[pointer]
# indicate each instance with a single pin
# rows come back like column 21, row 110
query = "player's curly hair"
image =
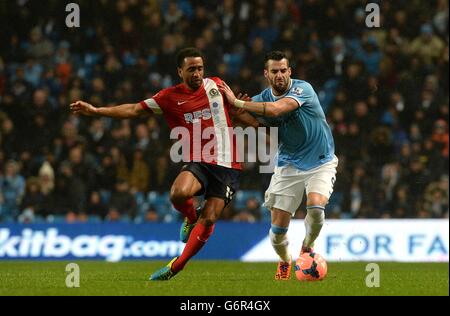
column 188, row 52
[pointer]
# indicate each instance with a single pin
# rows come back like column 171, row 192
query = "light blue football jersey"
column 305, row 140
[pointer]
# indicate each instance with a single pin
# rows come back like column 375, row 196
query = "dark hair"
column 188, row 52
column 275, row 55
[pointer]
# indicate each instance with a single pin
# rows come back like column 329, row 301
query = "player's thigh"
column 285, row 191
column 211, row 211
column 319, row 185
column 280, row 218
column 186, row 185
column 221, row 185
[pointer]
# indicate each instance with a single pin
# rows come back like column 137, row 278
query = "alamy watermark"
column 227, row 145
column 73, row 18
column 73, row 276
column 373, row 278
column 373, row 18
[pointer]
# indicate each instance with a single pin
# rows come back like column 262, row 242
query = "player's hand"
column 226, row 90
column 244, row 97
column 83, row 108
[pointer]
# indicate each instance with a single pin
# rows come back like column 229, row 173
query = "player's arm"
column 123, row 111
column 243, row 118
column 269, row 109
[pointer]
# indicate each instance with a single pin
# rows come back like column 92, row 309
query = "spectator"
column 139, row 174
column 69, row 195
column 440, row 137
column 95, row 205
column 142, row 137
column 106, row 174
column 370, row 55
column 401, row 206
column 122, row 202
column 9, row 138
column 436, row 198
column 39, row 47
column 151, row 216
column 251, row 213
column 427, row 46
column 12, row 190
column 162, row 177
column 33, row 200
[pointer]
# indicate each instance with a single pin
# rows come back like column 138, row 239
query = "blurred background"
column 384, row 90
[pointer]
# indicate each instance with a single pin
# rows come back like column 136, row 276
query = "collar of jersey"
column 282, row 96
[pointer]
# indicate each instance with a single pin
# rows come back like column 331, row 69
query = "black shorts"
column 216, row 181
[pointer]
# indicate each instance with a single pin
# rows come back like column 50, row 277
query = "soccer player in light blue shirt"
column 305, row 157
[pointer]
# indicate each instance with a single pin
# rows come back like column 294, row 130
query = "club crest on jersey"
column 297, row 91
column 214, row 93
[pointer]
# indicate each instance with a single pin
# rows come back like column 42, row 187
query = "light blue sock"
column 280, row 242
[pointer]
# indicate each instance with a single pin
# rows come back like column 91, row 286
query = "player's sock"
column 313, row 224
column 280, row 242
column 199, row 237
column 187, row 209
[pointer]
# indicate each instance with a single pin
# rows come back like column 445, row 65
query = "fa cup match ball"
column 310, row 266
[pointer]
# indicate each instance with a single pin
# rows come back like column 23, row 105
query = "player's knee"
column 316, row 213
column 179, row 194
column 209, row 217
column 209, row 220
column 317, row 199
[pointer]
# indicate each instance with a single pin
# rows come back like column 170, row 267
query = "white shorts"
column 288, row 184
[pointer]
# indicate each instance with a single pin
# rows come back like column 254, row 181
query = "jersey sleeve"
column 301, row 93
column 258, row 98
column 153, row 105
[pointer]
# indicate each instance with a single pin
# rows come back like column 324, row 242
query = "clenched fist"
column 83, row 108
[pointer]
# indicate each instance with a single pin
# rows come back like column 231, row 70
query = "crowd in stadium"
column 384, row 90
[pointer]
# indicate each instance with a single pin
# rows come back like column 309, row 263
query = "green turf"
column 218, row 278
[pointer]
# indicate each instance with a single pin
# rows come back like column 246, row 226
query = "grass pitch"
column 218, row 278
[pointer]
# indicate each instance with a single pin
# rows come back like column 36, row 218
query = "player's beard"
column 280, row 86
column 194, row 84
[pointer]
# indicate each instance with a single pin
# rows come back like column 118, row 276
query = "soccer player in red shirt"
column 196, row 100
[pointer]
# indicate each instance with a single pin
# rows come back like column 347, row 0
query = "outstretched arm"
column 270, row 109
column 123, row 111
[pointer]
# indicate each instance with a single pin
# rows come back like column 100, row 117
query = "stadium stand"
column 385, row 92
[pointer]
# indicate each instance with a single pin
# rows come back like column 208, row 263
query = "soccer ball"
column 310, row 266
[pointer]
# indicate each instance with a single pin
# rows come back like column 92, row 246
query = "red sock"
column 199, row 237
column 188, row 210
